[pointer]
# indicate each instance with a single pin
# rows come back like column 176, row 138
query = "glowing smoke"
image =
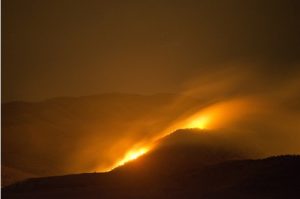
column 254, row 112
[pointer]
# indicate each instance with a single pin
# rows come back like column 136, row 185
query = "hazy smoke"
column 260, row 108
column 253, row 108
column 257, row 111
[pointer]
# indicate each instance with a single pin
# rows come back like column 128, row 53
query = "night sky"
column 56, row 48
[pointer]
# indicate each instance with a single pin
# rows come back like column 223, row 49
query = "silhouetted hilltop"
column 184, row 150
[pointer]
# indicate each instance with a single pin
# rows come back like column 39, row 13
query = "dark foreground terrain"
column 175, row 172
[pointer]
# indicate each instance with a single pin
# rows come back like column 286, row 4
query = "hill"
column 191, row 172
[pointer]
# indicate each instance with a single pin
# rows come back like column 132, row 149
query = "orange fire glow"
column 132, row 155
column 220, row 114
column 212, row 117
column 200, row 122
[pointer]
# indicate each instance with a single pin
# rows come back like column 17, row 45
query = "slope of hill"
column 185, row 150
column 72, row 135
column 212, row 176
column 10, row 175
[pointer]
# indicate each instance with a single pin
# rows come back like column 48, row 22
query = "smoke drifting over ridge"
column 256, row 112
column 262, row 109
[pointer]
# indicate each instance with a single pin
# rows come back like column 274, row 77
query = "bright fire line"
column 132, row 155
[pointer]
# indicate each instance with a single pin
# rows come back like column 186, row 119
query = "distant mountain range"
column 184, row 165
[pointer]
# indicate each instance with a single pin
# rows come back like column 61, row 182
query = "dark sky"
column 56, row 48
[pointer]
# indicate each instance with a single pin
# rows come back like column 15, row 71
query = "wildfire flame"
column 210, row 117
column 132, row 155
column 200, row 122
